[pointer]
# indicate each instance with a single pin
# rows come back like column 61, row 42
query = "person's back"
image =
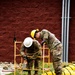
column 49, row 38
column 36, row 47
column 30, row 50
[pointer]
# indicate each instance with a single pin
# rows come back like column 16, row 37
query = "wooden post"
column 48, row 58
column 43, row 55
column 14, row 57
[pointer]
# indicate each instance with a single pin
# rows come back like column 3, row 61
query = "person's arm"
column 37, row 44
column 37, row 47
column 22, row 51
column 45, row 36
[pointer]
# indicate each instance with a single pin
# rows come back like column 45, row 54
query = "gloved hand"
column 42, row 42
column 34, row 56
column 25, row 57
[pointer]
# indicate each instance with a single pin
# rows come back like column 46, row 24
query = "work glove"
column 34, row 56
column 25, row 57
column 42, row 42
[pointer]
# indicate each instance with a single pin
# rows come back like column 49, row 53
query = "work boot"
column 58, row 74
column 35, row 74
column 29, row 74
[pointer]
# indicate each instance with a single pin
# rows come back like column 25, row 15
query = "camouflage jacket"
column 35, row 49
column 49, row 38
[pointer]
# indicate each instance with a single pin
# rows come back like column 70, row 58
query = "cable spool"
column 70, row 67
column 64, row 72
column 49, row 73
column 69, row 70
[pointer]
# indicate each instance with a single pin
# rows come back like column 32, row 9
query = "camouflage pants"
column 30, row 64
column 57, row 56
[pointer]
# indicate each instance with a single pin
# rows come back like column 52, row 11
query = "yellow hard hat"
column 33, row 32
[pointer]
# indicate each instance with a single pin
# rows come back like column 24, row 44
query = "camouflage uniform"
column 56, row 49
column 33, row 51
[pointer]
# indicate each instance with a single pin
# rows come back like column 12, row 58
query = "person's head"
column 28, row 42
column 35, row 33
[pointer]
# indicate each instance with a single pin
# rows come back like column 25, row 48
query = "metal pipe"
column 66, row 37
column 65, row 42
column 63, row 5
column 65, row 28
column 68, row 28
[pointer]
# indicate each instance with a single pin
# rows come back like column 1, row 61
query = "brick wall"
column 72, row 32
column 21, row 16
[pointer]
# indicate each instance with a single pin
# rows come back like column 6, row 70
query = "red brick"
column 21, row 16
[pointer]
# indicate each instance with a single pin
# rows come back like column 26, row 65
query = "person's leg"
column 57, row 63
column 29, row 65
column 36, row 64
column 58, row 68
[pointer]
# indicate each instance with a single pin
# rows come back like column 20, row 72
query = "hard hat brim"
column 30, row 40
